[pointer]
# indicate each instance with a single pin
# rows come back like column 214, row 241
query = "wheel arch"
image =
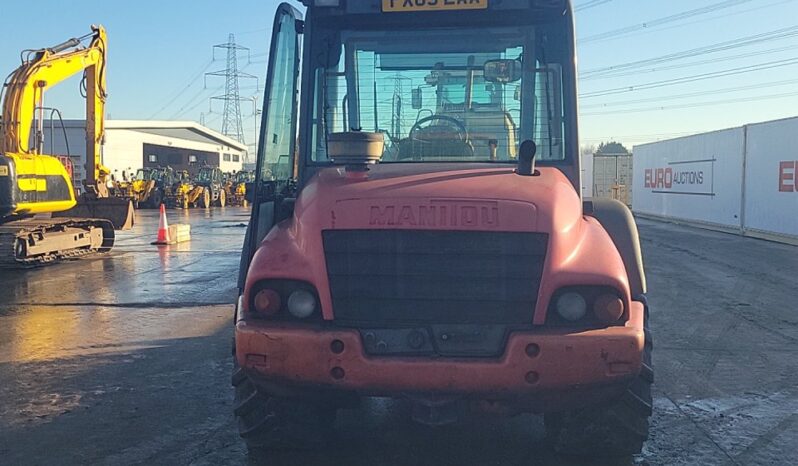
column 618, row 221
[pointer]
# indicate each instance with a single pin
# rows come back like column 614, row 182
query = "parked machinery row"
column 151, row 187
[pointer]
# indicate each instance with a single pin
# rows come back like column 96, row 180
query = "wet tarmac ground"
column 125, row 359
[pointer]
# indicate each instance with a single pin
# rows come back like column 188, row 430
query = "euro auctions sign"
column 787, row 177
column 692, row 177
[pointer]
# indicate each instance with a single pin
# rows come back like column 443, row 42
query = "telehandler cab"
column 418, row 231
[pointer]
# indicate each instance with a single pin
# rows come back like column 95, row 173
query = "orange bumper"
column 560, row 363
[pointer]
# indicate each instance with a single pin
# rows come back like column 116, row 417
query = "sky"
column 160, row 50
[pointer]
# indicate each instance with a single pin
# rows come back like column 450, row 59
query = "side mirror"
column 416, row 98
column 502, row 71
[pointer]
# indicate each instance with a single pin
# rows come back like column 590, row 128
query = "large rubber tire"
column 222, row 198
column 205, row 198
column 615, row 430
column 269, row 423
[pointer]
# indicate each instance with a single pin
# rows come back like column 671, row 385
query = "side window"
column 236, row 158
column 226, row 157
column 278, row 133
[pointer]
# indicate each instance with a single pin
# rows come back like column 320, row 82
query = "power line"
column 693, row 105
column 637, row 136
column 183, row 90
column 693, row 94
column 777, row 34
column 693, row 78
column 739, row 56
column 704, row 20
column 193, row 102
column 660, row 21
column 590, row 4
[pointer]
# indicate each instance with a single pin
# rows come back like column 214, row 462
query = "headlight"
column 587, row 305
column 571, row 306
column 283, row 300
column 301, row 304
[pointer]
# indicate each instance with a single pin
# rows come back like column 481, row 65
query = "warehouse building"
column 130, row 145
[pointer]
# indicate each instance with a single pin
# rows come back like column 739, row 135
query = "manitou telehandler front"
column 418, row 231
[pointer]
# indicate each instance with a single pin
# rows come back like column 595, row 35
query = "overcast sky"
column 158, row 51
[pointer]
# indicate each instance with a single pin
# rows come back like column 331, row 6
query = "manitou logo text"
column 442, row 214
column 787, row 177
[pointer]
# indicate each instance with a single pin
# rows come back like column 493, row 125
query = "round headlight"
column 301, row 304
column 571, row 306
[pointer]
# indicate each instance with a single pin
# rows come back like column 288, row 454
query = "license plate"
column 404, row 6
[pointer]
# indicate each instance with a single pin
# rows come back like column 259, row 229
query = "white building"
column 131, row 145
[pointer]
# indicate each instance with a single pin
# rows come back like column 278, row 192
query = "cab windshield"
column 442, row 95
column 205, row 175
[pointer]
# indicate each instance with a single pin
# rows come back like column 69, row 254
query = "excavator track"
column 36, row 242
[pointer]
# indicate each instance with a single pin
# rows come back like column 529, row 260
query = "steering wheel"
column 462, row 131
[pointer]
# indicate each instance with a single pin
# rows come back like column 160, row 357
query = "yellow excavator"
column 34, row 185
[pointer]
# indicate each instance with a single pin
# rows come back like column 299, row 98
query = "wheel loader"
column 236, row 188
column 209, row 189
column 183, row 193
column 33, row 183
column 418, row 232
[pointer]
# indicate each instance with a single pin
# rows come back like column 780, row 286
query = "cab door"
column 275, row 173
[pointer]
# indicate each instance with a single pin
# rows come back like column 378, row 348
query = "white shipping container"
column 771, row 189
column 695, row 178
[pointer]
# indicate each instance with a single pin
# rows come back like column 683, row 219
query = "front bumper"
column 563, row 369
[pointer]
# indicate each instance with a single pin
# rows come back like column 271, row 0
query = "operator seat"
column 436, row 142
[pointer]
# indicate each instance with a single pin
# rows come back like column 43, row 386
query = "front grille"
column 460, row 277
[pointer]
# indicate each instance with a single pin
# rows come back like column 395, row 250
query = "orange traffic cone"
column 163, row 229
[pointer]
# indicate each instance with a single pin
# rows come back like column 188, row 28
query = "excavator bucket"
column 118, row 211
